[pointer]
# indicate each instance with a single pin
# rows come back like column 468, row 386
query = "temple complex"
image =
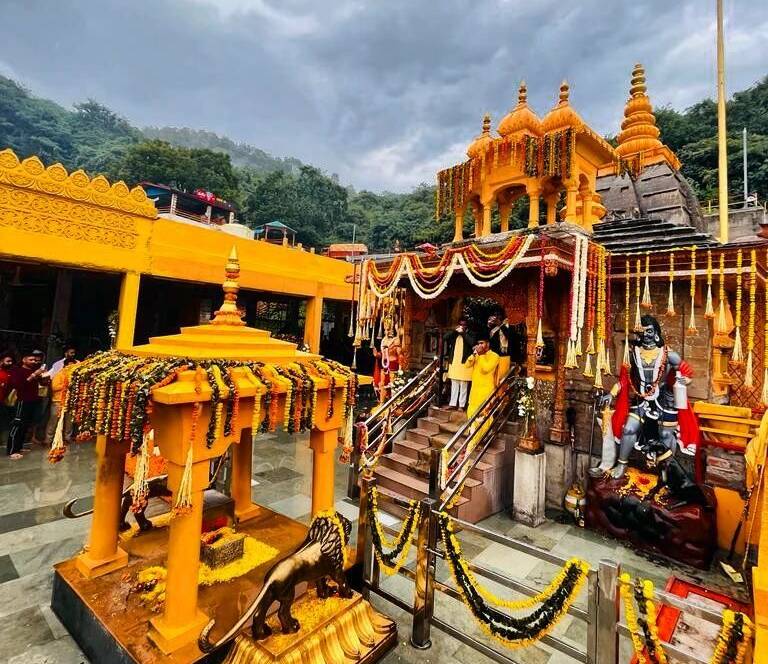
column 592, row 490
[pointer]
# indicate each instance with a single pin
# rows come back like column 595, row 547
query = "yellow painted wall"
column 51, row 216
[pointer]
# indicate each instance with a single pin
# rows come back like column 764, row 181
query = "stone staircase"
column 404, row 472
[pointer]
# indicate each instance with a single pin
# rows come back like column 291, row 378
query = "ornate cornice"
column 77, row 186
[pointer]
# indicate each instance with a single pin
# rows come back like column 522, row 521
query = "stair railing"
column 373, row 435
column 468, row 445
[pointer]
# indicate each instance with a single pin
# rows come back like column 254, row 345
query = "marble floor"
column 34, row 535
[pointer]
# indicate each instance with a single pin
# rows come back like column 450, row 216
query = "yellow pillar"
column 504, row 211
column 103, row 555
column 487, row 209
column 586, row 210
column 533, row 207
column 570, row 204
column 126, row 310
column 323, row 444
column 242, row 466
column 458, row 227
column 181, row 621
column 551, row 208
column 313, row 323
column 760, row 581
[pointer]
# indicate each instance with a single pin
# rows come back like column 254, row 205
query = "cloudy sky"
column 382, row 92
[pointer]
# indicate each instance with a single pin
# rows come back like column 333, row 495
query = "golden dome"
column 638, row 129
column 521, row 119
column 562, row 116
column 478, row 147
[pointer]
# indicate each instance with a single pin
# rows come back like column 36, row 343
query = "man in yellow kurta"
column 458, row 348
column 485, row 364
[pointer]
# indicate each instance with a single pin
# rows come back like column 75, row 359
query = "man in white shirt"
column 69, row 355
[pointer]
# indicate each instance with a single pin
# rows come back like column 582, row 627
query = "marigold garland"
column 509, row 631
column 722, row 325
column 391, row 561
column 627, row 287
column 737, row 356
column 764, row 395
column 748, row 379
column 692, row 329
column 638, row 324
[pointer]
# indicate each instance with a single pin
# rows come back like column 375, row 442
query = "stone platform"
column 110, row 623
column 687, row 533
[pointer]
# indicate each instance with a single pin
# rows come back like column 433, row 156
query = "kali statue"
column 651, row 403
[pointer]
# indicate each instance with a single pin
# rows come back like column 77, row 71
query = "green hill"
column 94, row 138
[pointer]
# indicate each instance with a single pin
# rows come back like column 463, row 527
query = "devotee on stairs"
column 499, row 342
column 485, row 366
column 59, row 382
column 458, row 348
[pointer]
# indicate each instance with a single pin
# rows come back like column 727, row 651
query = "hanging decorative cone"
column 737, row 357
column 646, row 303
column 600, row 358
column 722, row 326
column 578, row 350
column 748, row 381
column 183, row 504
column 588, row 367
column 709, row 311
column 140, row 486
column 570, row 360
column 539, row 336
column 692, row 329
column 607, row 365
column 58, row 448
column 764, row 396
column 591, row 343
column 346, row 440
column 598, row 379
column 671, row 301
column 625, row 359
column 638, row 324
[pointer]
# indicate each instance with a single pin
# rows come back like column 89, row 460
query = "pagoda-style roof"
column 639, row 234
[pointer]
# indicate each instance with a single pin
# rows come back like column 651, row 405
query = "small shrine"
column 182, row 589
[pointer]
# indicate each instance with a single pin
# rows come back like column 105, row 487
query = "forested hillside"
column 267, row 188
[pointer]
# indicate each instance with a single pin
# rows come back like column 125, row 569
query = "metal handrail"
column 497, row 393
column 396, row 396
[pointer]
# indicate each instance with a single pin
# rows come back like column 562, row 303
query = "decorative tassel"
column 58, row 448
column 598, row 379
column 183, row 504
column 625, row 359
column 607, row 365
column 722, row 326
column 347, row 440
column 579, row 352
column 591, row 343
column 646, row 303
column 737, row 357
column 600, row 358
column 638, row 324
column 588, row 367
column 539, row 337
column 570, row 362
column 692, row 329
column 671, row 301
column 748, row 382
column 709, row 311
column 140, row 486
column 764, row 396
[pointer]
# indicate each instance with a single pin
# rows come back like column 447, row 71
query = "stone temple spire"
column 639, row 133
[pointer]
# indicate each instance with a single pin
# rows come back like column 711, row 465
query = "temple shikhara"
column 560, row 448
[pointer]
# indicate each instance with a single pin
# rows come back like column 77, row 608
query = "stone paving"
column 34, row 536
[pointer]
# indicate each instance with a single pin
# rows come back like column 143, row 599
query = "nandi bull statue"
column 319, row 557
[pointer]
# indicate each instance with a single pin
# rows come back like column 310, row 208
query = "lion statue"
column 319, row 557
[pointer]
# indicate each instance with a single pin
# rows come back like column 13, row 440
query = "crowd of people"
column 31, row 396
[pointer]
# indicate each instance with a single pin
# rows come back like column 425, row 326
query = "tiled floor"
column 33, row 536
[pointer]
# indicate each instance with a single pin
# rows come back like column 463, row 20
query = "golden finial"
column 637, row 87
column 522, row 94
column 487, row 123
column 564, row 92
column 228, row 313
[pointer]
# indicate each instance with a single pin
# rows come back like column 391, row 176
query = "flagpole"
column 722, row 150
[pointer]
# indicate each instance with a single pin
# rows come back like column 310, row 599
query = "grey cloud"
column 380, row 92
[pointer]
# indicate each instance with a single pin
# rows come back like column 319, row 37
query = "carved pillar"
column 557, row 433
column 586, row 208
column 477, row 215
column 571, row 193
column 458, row 228
column 505, row 209
column 126, row 309
column 552, row 208
column 534, row 193
column 487, row 209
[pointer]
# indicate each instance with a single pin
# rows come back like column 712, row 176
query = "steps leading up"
column 404, row 471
